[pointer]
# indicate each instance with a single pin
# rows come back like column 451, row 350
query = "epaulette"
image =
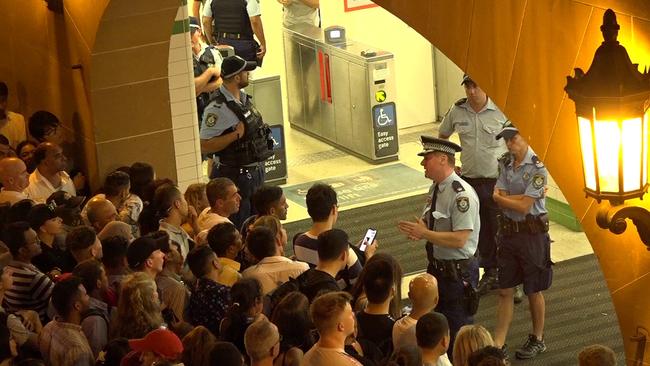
column 457, row 186
column 461, row 101
column 505, row 158
column 538, row 163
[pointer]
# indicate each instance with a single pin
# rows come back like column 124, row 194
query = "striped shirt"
column 31, row 289
column 305, row 247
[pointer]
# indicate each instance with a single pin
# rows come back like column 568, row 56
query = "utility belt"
column 233, row 36
column 455, row 270
column 450, row 268
column 479, row 181
column 223, row 168
column 531, row 225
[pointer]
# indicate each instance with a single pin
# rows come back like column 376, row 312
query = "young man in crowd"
column 272, row 268
column 209, row 300
column 224, row 199
column 226, row 242
column 99, row 212
column 83, row 244
column 95, row 322
column 332, row 258
column 31, row 288
column 14, row 178
column 115, row 261
column 267, row 200
column 322, row 207
column 62, row 341
column 262, row 341
column 333, row 317
column 145, row 255
column 432, row 333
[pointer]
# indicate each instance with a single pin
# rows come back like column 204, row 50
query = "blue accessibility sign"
column 384, row 115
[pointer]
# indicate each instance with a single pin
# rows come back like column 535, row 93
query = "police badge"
column 462, row 203
column 538, row 181
column 526, row 176
column 211, row 120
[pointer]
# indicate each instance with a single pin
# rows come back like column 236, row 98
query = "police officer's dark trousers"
column 247, row 180
column 244, row 48
column 452, row 295
column 487, row 237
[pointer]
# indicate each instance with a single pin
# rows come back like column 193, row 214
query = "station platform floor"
column 310, row 160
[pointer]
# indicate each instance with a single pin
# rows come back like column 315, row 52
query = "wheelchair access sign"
column 385, row 134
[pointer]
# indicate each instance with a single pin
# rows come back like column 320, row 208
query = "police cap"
column 467, row 79
column 194, row 23
column 233, row 65
column 431, row 144
column 508, row 131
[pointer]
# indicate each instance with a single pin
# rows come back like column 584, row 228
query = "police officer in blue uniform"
column 234, row 131
column 524, row 254
column 235, row 23
column 450, row 225
column 205, row 58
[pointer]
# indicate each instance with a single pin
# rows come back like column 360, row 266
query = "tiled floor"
column 310, row 160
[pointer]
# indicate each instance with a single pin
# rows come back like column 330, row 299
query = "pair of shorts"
column 525, row 258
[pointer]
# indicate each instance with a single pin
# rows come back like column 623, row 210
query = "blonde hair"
column 194, row 195
column 270, row 222
column 470, row 338
column 195, row 344
column 138, row 312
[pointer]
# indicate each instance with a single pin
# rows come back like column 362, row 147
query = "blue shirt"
column 529, row 179
column 217, row 117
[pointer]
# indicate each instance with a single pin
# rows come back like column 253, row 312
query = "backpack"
column 273, row 298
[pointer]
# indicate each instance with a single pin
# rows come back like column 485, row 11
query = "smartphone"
column 368, row 239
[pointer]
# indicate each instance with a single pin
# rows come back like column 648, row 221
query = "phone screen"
column 368, row 239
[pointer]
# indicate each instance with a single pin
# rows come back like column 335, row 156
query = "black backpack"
column 273, row 298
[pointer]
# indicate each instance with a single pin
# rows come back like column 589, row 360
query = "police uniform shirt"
column 477, row 133
column 299, row 13
column 457, row 208
column 528, row 179
column 216, row 55
column 217, row 118
column 252, row 8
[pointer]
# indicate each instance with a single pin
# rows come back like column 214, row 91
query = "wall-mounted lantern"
column 612, row 101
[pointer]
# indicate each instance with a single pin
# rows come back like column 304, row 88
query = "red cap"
column 161, row 341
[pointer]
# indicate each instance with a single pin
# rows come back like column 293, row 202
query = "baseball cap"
column 63, row 198
column 139, row 250
column 161, row 341
column 233, row 65
column 194, row 23
column 39, row 214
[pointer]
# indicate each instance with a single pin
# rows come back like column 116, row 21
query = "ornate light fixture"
column 612, row 101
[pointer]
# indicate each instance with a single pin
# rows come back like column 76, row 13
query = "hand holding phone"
column 368, row 239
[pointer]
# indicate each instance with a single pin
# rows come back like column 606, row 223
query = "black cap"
column 508, row 131
column 139, row 250
column 39, row 214
column 65, row 199
column 467, row 79
column 194, row 23
column 431, row 144
column 233, row 65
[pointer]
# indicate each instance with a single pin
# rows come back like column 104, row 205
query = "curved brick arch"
column 520, row 53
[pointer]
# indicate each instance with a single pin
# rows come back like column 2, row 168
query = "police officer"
column 450, row 225
column 205, row 57
column 300, row 12
column 477, row 120
column 524, row 249
column 233, row 129
column 235, row 23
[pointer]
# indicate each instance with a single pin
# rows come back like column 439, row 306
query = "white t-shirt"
column 13, row 128
column 252, row 7
column 404, row 332
column 299, row 13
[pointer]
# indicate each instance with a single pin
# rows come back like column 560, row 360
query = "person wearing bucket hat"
column 234, row 131
column 450, row 224
column 524, row 244
column 235, row 24
column 476, row 120
column 49, row 227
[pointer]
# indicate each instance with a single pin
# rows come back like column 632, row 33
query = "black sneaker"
column 488, row 282
column 519, row 295
column 531, row 348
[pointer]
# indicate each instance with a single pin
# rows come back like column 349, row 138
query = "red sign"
column 352, row 5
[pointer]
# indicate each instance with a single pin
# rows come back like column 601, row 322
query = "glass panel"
column 608, row 141
column 631, row 137
column 645, row 147
column 587, row 147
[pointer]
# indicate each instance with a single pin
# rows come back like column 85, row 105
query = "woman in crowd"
column 197, row 345
column 141, row 175
column 196, row 197
column 291, row 316
column 25, row 151
column 246, row 295
column 470, row 338
column 138, row 309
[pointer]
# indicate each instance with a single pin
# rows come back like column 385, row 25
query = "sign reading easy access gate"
column 384, row 118
column 275, row 167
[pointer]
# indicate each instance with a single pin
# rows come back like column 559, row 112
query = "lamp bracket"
column 614, row 218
